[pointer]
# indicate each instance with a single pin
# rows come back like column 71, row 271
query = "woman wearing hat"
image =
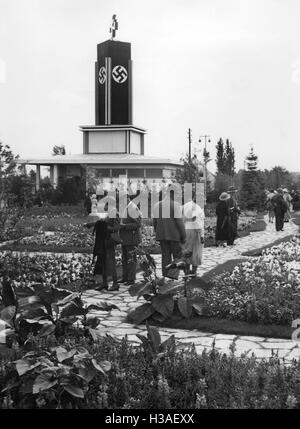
column 222, row 212
column 234, row 212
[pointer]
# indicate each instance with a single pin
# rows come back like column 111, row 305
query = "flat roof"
column 105, row 159
column 104, row 128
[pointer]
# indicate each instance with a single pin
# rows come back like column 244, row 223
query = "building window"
column 116, row 172
column 136, row 173
column 105, row 172
column 154, row 173
column 135, row 143
column 107, row 142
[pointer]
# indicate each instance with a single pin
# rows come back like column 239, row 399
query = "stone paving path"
column 114, row 322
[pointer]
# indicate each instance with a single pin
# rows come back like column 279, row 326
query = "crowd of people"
column 180, row 234
column 279, row 205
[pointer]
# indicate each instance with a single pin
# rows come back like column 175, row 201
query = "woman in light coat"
column 193, row 218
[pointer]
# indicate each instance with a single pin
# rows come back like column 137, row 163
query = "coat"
column 222, row 229
column 170, row 228
column 280, row 206
column 130, row 231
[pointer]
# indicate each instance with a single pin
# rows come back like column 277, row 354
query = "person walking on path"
column 130, row 233
column 234, row 212
column 193, row 217
column 280, row 208
column 169, row 230
column 222, row 212
column 269, row 206
column 288, row 200
column 105, row 230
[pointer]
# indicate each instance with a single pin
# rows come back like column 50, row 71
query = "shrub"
column 132, row 377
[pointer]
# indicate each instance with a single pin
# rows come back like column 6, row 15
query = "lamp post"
column 206, row 160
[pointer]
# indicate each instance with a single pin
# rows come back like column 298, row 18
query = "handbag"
column 173, row 273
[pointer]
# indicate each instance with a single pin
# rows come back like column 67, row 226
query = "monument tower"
column 113, row 131
column 113, row 83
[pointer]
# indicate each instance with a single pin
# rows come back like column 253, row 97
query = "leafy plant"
column 162, row 299
column 56, row 378
column 42, row 310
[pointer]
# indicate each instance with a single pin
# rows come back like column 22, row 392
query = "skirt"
column 193, row 246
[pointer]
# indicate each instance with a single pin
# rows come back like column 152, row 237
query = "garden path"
column 114, row 323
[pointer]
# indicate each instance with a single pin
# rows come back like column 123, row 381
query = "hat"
column 224, row 196
column 285, row 190
column 232, row 189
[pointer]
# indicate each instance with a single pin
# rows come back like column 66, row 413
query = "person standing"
column 130, row 233
column 169, row 230
column 222, row 212
column 193, row 217
column 280, row 208
column 88, row 203
column 288, row 200
column 269, row 206
column 234, row 212
column 105, row 230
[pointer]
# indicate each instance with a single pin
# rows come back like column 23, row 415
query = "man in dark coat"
column 280, row 208
column 105, row 251
column 130, row 233
column 170, row 231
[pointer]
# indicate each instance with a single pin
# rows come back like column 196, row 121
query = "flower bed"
column 261, row 290
column 77, row 238
column 48, row 270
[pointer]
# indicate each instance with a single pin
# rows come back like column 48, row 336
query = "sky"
column 227, row 69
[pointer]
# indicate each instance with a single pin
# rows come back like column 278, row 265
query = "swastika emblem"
column 102, row 75
column 119, row 74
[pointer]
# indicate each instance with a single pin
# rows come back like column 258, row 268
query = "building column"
column 54, row 175
column 23, row 169
column 38, row 178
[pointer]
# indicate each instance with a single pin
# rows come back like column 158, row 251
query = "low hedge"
column 137, row 377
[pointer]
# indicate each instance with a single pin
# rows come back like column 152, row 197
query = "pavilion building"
column 112, row 147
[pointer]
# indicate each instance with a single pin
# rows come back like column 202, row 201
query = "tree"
column 220, row 159
column 225, row 161
column 279, row 177
column 59, row 150
column 8, row 164
column 229, row 161
column 191, row 170
column 252, row 194
column 251, row 160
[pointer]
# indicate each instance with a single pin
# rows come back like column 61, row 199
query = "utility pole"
column 190, row 144
column 206, row 160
